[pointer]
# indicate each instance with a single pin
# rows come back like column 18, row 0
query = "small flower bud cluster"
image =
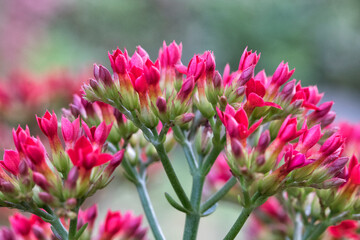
column 116, row 226
column 64, row 179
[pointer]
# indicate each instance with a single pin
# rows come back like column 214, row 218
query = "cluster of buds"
column 116, row 226
column 64, row 179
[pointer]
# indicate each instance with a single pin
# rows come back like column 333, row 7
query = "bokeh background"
column 47, row 48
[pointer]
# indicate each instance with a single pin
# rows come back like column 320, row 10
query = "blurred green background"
column 320, row 38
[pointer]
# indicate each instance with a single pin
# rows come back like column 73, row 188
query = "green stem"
column 239, row 223
column 59, row 228
column 218, row 195
column 193, row 219
column 170, row 172
column 73, row 225
column 209, row 161
column 317, row 232
column 148, row 209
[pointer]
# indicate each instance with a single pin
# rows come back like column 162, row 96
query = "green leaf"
column 175, row 204
column 80, row 232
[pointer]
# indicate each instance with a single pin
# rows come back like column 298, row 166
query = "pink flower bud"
column 196, row 67
column 41, row 181
column 186, row 89
column 35, row 151
column 48, row 124
column 97, row 134
column 170, row 55
column 115, row 162
column 105, row 76
column 70, row 130
column 288, row 130
column 209, row 63
column 6, row 234
column 328, row 119
column 112, row 225
column 119, row 61
column 20, row 136
column 281, row 74
column 337, row 166
column 288, row 91
column 332, row 144
column 72, row 178
column 93, row 84
column 309, row 138
column 322, row 110
column 217, row 80
column 11, row 162
column 248, row 60
column 23, row 169
column 71, row 203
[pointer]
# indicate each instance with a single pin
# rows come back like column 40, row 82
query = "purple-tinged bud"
column 23, row 168
column 140, row 233
column 328, row 119
column 41, row 181
column 184, row 118
column 236, row 148
column 332, row 144
column 118, row 116
column 260, row 160
column 93, row 84
column 337, row 165
column 264, row 141
column 186, row 89
column 6, row 234
column 96, row 72
column 288, row 91
column 72, row 178
column 71, row 203
column 161, row 104
column 91, row 215
column 38, row 232
column 223, row 102
column 217, row 80
column 282, row 74
column 333, row 183
column 75, row 111
column 297, row 103
column 209, row 63
column 297, row 161
column 246, row 75
column 46, row 197
column 321, row 111
column 6, row 187
column 309, row 138
column 105, row 75
column 240, row 91
column 115, row 162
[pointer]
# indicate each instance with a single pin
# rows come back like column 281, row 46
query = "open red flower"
column 83, row 155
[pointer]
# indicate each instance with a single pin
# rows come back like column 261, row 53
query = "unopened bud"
column 332, row 183
column 72, row 178
column 328, row 119
column 161, row 104
column 240, row 91
column 71, row 203
column 105, row 75
column 41, row 181
column 288, row 91
column 184, row 118
column 236, row 148
column 46, row 197
column 93, row 84
column 263, row 142
column 6, row 187
column 23, row 168
column 217, row 80
column 115, row 162
column 223, row 102
column 260, row 160
column 6, row 234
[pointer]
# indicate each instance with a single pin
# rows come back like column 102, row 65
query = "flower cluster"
column 31, row 179
column 115, row 226
column 265, row 139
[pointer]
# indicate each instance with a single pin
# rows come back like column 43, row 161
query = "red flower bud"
column 186, row 89
column 119, row 61
column 48, row 124
column 281, row 74
column 99, row 134
column 11, row 162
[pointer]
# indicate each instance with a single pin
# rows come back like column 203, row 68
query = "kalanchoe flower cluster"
column 117, row 225
column 276, row 131
column 64, row 179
